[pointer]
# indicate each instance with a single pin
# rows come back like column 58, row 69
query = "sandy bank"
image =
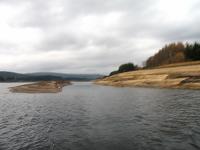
column 181, row 75
column 41, row 87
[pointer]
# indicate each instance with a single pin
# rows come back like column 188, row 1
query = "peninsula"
column 41, row 87
column 180, row 75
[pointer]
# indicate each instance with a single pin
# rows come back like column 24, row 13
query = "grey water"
column 85, row 116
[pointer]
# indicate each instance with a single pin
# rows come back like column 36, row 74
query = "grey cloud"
column 138, row 33
column 40, row 13
column 186, row 31
column 99, row 6
column 61, row 41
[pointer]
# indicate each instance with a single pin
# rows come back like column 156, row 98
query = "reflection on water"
column 91, row 117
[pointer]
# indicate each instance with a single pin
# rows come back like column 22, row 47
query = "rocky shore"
column 41, row 87
column 181, row 75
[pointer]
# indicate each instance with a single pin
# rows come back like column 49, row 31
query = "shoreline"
column 176, row 76
column 40, row 87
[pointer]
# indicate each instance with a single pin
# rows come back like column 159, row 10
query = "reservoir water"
column 85, row 116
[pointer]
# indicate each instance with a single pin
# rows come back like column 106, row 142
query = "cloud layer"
column 90, row 36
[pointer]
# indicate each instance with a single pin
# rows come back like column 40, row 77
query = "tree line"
column 192, row 51
column 174, row 53
column 171, row 53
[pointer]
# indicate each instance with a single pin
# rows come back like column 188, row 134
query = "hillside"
column 47, row 76
column 180, row 75
column 65, row 76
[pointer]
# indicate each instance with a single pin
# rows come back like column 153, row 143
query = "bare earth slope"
column 41, row 87
column 181, row 75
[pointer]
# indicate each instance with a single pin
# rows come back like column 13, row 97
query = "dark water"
column 91, row 117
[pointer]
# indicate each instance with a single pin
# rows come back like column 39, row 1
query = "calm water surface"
column 91, row 117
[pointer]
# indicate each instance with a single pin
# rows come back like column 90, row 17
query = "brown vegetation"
column 172, row 53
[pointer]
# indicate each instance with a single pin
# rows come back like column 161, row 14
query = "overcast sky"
column 90, row 36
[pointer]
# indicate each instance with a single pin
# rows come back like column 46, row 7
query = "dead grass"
column 169, row 76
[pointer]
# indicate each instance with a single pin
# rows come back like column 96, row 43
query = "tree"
column 125, row 68
column 114, row 72
column 171, row 53
column 192, row 51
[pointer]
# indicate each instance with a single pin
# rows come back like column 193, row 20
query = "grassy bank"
column 180, row 75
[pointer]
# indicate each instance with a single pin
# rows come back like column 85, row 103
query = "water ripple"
column 86, row 116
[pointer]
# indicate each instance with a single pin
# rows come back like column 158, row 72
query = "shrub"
column 125, row 68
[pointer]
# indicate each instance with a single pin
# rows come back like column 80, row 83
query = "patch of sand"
column 181, row 75
column 41, row 87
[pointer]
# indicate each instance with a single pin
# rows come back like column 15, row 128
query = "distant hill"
column 79, row 77
column 44, row 76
